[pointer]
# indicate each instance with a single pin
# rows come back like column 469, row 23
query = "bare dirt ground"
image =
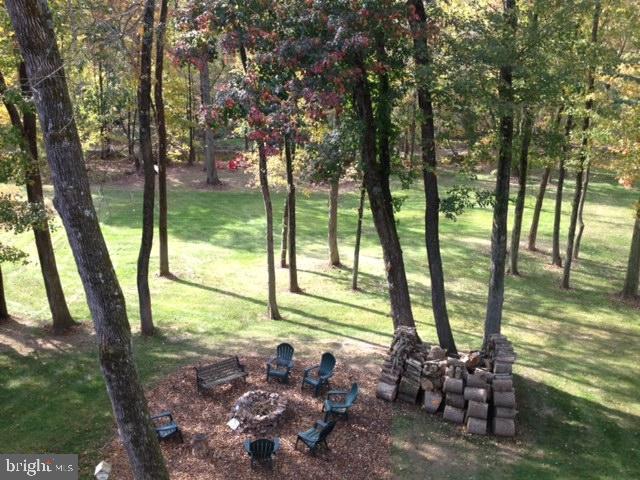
column 359, row 448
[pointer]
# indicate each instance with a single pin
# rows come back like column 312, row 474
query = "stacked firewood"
column 477, row 393
column 502, row 356
column 454, row 390
column 404, row 344
column 432, row 381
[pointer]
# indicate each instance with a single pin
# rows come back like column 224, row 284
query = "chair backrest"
column 324, row 433
column 327, row 362
column 284, row 351
column 352, row 396
column 261, row 449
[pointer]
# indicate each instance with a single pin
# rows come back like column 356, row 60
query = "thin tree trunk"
column 412, row 145
column 291, row 209
column 101, row 109
column 535, row 221
column 60, row 314
column 493, row 319
column 356, row 251
column 632, row 278
column 162, row 143
column 376, row 179
column 144, row 101
column 285, row 233
column 556, row 259
column 273, row 312
column 209, row 157
column 192, row 151
column 586, row 124
column 430, row 180
column 583, row 198
column 334, row 255
column 527, row 128
column 136, row 156
column 4, row 312
column 33, row 25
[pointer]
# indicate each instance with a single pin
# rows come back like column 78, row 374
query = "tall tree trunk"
column 285, row 233
column 162, row 143
column 586, row 124
column 632, row 278
column 537, row 209
column 334, row 255
column 136, row 157
column 192, row 151
column 421, row 54
column 527, row 128
column 493, row 319
column 101, row 112
column 144, row 101
column 356, row 251
column 4, row 312
column 376, row 178
column 33, row 25
column 60, row 314
column 556, row 259
column 273, row 312
column 291, row 210
column 205, row 95
column 583, row 198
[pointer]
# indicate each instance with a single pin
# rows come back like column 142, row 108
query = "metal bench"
column 226, row 371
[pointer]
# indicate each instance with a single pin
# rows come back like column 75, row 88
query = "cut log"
column 504, row 427
column 432, row 401
column 437, row 353
column 478, row 409
column 455, row 400
column 505, row 399
column 453, row 385
column 477, row 426
column 426, row 384
column 501, row 367
column 504, row 412
column 453, row 414
column 476, row 394
column 403, row 397
column 477, row 381
column 387, row 391
column 502, row 385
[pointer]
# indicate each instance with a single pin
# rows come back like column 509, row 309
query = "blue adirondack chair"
column 339, row 402
column 316, row 436
column 165, row 427
column 318, row 376
column 280, row 366
column 262, row 451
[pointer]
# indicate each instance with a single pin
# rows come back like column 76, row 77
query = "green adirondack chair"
column 339, row 402
column 280, row 366
column 262, row 451
column 166, row 427
column 318, row 376
column 317, row 436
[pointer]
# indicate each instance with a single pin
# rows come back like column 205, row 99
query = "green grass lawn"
column 577, row 375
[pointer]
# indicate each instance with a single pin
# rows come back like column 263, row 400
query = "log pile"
column 475, row 388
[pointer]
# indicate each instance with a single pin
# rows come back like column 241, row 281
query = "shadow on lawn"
column 559, row 436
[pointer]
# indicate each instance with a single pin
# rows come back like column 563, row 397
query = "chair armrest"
column 307, row 370
column 171, row 426
column 276, row 444
column 320, row 424
column 162, row 415
column 327, row 376
column 247, row 446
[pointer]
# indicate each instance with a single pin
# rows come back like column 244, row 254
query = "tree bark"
column 4, row 312
column 60, row 314
column 556, row 259
column 205, row 95
column 583, row 198
column 586, row 124
column 334, row 255
column 356, row 252
column 192, row 151
column 535, row 221
column 527, row 128
column 430, row 179
column 162, row 143
column 33, row 25
column 631, row 280
column 285, row 233
column 144, row 102
column 493, row 319
column 376, row 178
column 273, row 312
column 291, row 211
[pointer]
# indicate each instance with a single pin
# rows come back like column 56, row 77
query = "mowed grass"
column 577, row 374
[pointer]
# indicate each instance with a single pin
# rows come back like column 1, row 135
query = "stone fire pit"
column 258, row 411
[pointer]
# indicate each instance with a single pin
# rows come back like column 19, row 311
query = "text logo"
column 43, row 466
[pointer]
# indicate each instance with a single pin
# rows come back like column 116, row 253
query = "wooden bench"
column 209, row 376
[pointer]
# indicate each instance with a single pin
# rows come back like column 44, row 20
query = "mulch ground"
column 359, row 448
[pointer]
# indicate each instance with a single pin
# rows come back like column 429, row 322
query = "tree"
column 356, row 251
column 144, row 103
column 332, row 237
column 493, row 319
column 33, row 25
column 556, row 259
column 162, row 142
column 632, row 277
column 419, row 27
column 290, row 209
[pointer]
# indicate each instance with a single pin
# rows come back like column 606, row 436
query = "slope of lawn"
column 578, row 378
